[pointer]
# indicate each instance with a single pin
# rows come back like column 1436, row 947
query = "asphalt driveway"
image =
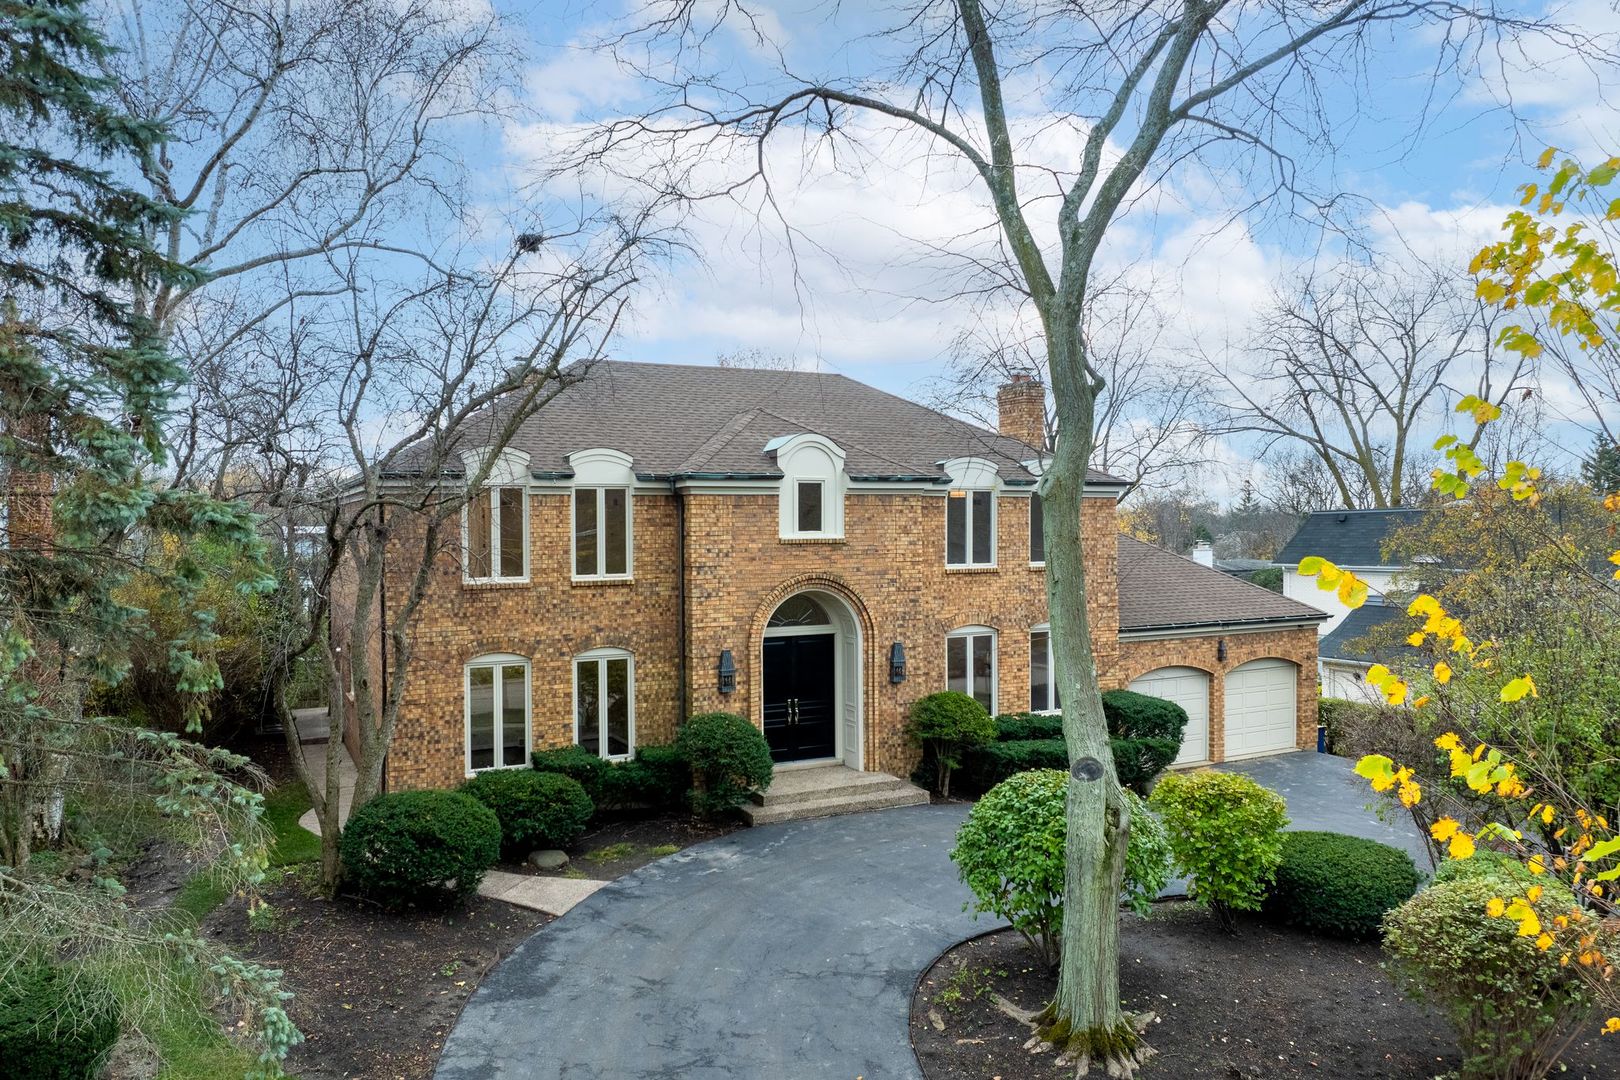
column 786, row 952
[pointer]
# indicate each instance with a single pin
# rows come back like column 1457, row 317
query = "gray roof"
column 691, row 421
column 1160, row 590
column 1345, row 642
column 1347, row 537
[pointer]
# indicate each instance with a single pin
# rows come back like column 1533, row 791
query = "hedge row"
column 656, row 778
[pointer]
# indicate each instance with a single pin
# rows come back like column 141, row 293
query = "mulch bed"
column 613, row 848
column 376, row 993
column 1271, row 1002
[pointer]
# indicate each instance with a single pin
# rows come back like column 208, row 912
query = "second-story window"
column 808, row 509
column 601, row 532
column 970, row 528
column 497, row 531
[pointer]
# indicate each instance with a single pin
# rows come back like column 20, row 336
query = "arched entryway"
column 810, row 687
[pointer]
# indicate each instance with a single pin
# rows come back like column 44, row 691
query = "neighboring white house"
column 1354, row 540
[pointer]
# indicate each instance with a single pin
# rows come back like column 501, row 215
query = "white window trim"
column 967, row 540
column 995, row 660
column 1034, row 501
column 1051, row 667
column 496, row 660
column 785, row 448
column 601, row 695
column 600, row 493
column 492, row 492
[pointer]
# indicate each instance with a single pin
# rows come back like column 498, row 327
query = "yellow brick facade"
column 889, row 569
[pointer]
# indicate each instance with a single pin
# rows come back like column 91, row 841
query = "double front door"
column 801, row 697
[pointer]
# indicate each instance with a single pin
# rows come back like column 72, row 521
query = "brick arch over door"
column 838, row 587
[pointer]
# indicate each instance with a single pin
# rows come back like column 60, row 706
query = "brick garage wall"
column 1298, row 645
column 549, row 619
column 890, row 568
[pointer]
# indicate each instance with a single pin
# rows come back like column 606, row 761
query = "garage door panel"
column 1189, row 688
column 1261, row 708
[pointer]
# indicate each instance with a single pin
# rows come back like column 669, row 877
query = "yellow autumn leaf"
column 1495, row 907
column 1444, row 829
column 1544, row 942
column 1448, row 741
column 1516, row 689
column 1533, row 893
column 1415, row 639
column 1442, row 673
column 1462, row 846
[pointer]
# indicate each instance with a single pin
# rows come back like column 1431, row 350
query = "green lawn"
column 293, row 844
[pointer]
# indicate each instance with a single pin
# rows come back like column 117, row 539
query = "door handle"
column 793, row 711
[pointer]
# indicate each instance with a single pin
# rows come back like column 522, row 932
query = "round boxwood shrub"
column 1009, row 852
column 49, row 1032
column 1226, row 834
column 1145, row 734
column 946, row 725
column 729, row 759
column 1342, row 886
column 427, row 848
column 536, row 809
column 579, row 764
column 1511, row 1003
column 1487, row 864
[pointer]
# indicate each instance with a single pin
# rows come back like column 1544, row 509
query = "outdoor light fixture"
column 728, row 672
column 897, row 663
column 1220, row 650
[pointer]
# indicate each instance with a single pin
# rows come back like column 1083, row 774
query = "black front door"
column 800, row 697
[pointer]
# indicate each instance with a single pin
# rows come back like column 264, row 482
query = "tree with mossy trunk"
column 1134, row 90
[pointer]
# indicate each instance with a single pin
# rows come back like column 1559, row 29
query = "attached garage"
column 1189, row 688
column 1261, row 708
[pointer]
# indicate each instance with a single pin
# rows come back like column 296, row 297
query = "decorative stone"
column 548, row 860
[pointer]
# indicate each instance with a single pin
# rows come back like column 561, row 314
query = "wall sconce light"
column 897, row 663
column 727, row 672
column 1220, row 650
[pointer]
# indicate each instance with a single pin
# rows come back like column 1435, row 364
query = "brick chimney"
column 1021, row 409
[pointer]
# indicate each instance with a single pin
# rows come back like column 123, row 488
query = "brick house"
column 815, row 555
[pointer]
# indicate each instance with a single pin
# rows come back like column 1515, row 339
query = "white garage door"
column 1260, row 708
column 1189, row 688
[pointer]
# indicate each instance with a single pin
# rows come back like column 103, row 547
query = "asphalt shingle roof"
column 685, row 420
column 1346, row 537
column 1161, row 590
column 1345, row 641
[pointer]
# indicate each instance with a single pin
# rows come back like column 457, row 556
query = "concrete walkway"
column 551, row 895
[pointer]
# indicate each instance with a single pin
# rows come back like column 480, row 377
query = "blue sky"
column 865, row 294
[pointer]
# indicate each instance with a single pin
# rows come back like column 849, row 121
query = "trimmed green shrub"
column 1341, row 717
column 1016, row 727
column 657, row 778
column 729, row 759
column 1009, row 851
column 1226, row 836
column 423, row 848
column 1485, row 863
column 1147, row 857
column 1512, row 1004
column 1145, row 734
column 536, row 809
column 578, row 764
column 984, row 767
column 946, row 725
column 49, row 1032
column 1342, row 886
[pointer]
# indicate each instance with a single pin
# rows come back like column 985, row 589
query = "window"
column 1043, row 690
column 601, row 532
column 970, row 664
column 808, row 510
column 497, row 535
column 604, row 703
column 1037, row 531
column 970, row 528
column 497, row 713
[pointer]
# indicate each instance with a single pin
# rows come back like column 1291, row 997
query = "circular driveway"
column 787, row 951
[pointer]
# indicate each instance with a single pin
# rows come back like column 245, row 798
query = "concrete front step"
column 796, row 794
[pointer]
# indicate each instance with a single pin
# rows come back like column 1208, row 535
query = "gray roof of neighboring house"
column 1160, row 590
column 1346, row 537
column 1345, row 641
column 694, row 421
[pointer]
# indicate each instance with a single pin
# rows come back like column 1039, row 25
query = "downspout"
column 382, row 627
column 680, row 601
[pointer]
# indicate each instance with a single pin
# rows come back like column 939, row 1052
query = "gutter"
column 1289, row 622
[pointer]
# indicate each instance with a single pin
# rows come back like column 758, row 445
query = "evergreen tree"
column 84, row 384
column 1601, row 468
